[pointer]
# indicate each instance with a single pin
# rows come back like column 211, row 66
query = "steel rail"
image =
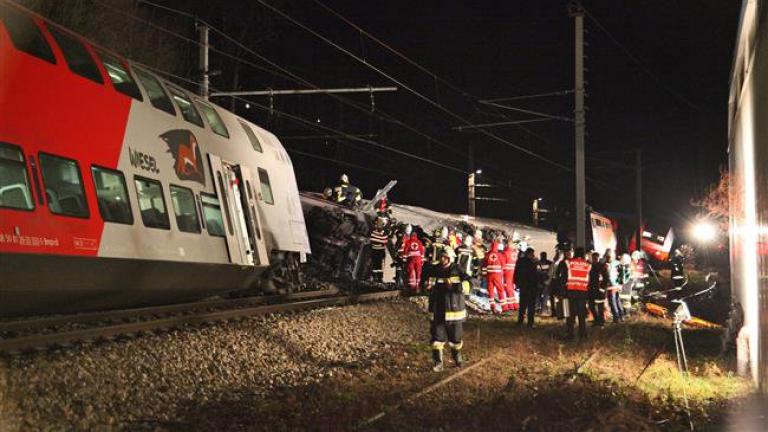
column 38, row 341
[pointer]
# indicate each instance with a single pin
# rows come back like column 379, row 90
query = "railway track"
column 162, row 318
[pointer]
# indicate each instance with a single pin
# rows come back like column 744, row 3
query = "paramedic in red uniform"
column 510, row 261
column 576, row 292
column 494, row 263
column 415, row 262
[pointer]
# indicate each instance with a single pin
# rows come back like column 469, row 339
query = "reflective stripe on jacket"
column 578, row 274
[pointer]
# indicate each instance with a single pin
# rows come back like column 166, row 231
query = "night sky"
column 673, row 106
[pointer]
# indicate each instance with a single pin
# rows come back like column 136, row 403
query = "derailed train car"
column 748, row 162
column 118, row 188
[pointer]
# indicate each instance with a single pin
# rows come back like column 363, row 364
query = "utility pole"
column 203, row 61
column 471, row 182
column 639, row 196
column 579, row 120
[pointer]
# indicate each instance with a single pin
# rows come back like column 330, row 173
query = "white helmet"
column 344, row 178
column 408, row 229
column 468, row 240
column 635, row 255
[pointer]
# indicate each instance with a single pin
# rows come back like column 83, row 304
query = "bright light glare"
column 704, row 231
column 479, row 171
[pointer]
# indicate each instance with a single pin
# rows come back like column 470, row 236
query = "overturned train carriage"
column 118, row 188
column 340, row 236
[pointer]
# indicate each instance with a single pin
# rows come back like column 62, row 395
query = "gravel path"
column 157, row 382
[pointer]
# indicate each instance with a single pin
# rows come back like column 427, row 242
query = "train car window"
column 157, row 95
column 77, row 56
column 112, row 195
column 63, row 186
column 212, row 214
column 251, row 137
column 188, row 110
column 152, row 203
column 183, row 200
column 217, row 125
column 25, row 34
column 120, row 77
column 14, row 183
column 266, row 187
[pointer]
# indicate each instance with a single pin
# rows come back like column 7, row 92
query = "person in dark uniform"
column 446, row 304
column 527, row 280
column 379, row 240
column 678, row 276
column 598, row 282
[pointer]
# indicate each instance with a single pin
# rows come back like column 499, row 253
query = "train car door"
column 228, row 186
column 250, row 201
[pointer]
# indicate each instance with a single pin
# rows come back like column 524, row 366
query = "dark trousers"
column 527, row 304
column 446, row 331
column 614, row 302
column 377, row 264
column 597, row 308
column 578, row 309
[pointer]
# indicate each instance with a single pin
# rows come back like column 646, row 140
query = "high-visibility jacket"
column 510, row 260
column 494, row 261
column 479, row 251
column 578, row 274
column 464, row 259
column 446, row 300
column 378, row 240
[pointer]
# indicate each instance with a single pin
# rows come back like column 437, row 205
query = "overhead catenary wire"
column 277, row 69
column 411, row 90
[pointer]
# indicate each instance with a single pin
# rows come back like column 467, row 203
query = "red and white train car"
column 118, row 188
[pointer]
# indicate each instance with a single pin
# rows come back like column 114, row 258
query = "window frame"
column 218, row 117
column 171, row 90
column 80, row 177
column 171, row 186
column 102, row 55
column 138, row 73
column 223, row 222
column 261, row 186
column 162, row 195
column 54, row 31
column 52, row 56
column 248, row 132
column 29, row 179
column 127, row 193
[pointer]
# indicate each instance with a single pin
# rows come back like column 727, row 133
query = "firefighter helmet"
column 344, row 178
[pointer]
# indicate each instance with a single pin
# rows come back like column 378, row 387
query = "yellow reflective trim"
column 455, row 316
column 466, row 287
column 438, row 345
column 456, row 346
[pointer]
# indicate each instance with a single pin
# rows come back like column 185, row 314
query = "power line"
column 405, row 86
column 278, row 70
column 640, row 64
column 555, row 93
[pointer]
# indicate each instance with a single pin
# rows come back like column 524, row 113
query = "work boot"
column 457, row 358
column 437, row 358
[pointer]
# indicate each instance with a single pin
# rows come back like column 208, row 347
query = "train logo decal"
column 188, row 164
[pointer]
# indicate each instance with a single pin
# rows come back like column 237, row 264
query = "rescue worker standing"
column 510, row 262
column 415, row 262
column 465, row 257
column 598, row 281
column 543, row 267
column 379, row 241
column 446, row 304
column 494, row 263
column 527, row 278
column 625, row 283
column 576, row 292
column 678, row 276
column 614, row 302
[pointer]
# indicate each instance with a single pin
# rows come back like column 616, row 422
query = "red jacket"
column 494, row 260
column 414, row 248
column 510, row 259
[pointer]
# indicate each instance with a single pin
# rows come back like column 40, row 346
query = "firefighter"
column 465, row 259
column 379, row 239
column 597, row 284
column 527, row 278
column 414, row 262
column 383, row 209
column 678, row 277
column 434, row 249
column 612, row 291
column 625, row 282
column 543, row 267
column 446, row 304
column 345, row 193
column 510, row 262
column 576, row 291
column 493, row 268
column 560, row 280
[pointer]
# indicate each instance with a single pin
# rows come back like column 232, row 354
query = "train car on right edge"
column 748, row 164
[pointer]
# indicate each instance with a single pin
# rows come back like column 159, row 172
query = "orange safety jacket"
column 578, row 274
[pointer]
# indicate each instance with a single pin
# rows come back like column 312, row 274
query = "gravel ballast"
column 154, row 381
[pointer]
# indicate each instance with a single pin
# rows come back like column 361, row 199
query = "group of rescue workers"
column 498, row 273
